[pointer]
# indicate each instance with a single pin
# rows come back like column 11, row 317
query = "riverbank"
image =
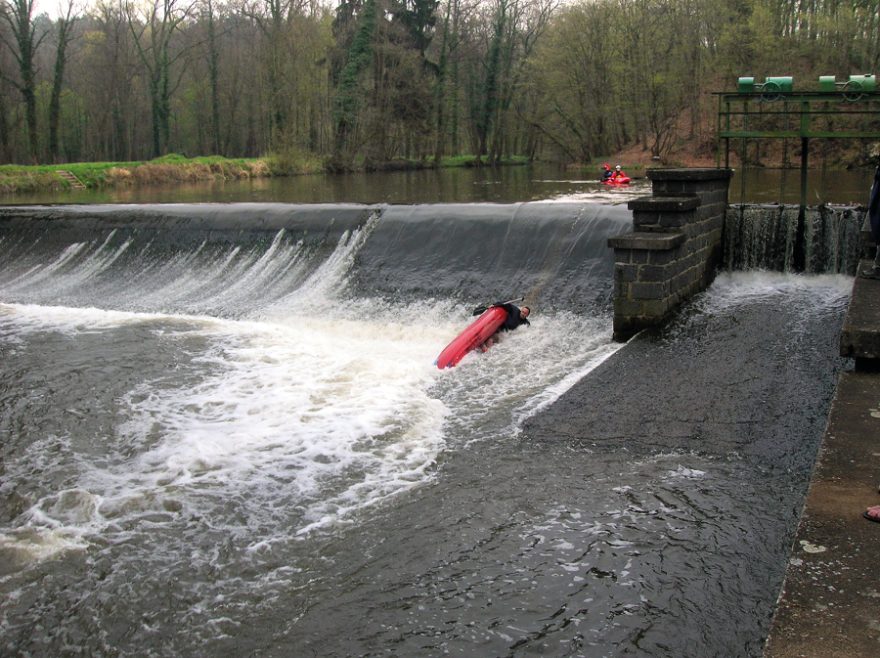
column 16, row 179
column 174, row 168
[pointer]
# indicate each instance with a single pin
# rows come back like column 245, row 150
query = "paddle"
column 482, row 309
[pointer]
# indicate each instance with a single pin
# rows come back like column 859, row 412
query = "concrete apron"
column 830, row 602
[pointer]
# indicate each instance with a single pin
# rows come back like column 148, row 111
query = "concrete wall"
column 674, row 248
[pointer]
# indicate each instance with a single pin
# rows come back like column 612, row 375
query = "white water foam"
column 733, row 288
column 298, row 421
column 327, row 417
column 33, row 543
column 315, row 408
column 302, row 419
column 595, row 192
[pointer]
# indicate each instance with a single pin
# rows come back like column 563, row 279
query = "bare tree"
column 273, row 18
column 213, row 72
column 104, row 76
column 528, row 21
column 153, row 31
column 65, row 25
column 18, row 15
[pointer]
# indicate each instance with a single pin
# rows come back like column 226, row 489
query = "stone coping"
column 647, row 241
column 665, row 203
column 695, row 174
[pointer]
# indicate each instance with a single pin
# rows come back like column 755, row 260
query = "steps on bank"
column 75, row 183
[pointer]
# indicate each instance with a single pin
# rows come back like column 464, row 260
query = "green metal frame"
column 740, row 115
column 739, row 111
column 846, row 103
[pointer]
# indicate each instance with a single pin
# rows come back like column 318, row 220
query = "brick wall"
column 674, row 247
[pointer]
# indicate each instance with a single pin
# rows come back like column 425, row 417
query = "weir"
column 765, row 237
column 295, row 430
column 674, row 252
column 685, row 232
column 553, row 253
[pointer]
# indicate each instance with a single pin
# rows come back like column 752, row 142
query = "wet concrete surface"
column 830, row 603
column 745, row 387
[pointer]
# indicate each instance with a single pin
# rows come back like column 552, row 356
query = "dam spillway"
column 552, row 252
column 222, row 433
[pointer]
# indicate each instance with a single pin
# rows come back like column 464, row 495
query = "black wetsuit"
column 513, row 320
column 874, row 208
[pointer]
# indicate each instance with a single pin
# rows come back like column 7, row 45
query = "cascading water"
column 765, row 236
column 221, row 433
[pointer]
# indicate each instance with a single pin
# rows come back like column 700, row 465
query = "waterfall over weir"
column 190, row 258
column 764, row 237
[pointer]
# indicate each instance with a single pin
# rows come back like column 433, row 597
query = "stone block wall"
column 674, row 248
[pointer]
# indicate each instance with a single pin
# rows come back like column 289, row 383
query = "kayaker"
column 516, row 317
column 618, row 173
column 606, row 173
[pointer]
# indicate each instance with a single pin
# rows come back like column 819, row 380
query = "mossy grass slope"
column 171, row 168
column 175, row 168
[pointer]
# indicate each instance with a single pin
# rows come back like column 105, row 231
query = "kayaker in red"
column 483, row 332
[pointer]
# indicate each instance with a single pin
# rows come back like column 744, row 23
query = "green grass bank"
column 174, row 168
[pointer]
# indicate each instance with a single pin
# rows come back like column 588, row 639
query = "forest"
column 367, row 83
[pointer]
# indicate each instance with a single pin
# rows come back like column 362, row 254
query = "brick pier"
column 674, row 248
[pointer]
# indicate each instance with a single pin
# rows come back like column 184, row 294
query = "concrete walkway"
column 830, row 603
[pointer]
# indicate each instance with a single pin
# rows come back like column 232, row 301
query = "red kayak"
column 471, row 338
column 622, row 180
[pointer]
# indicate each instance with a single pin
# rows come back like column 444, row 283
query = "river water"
column 222, row 433
column 469, row 185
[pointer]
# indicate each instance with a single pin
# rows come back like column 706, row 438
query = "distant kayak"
column 472, row 337
column 621, row 180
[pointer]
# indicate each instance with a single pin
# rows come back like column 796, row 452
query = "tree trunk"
column 156, row 108
column 5, row 155
column 440, row 95
column 490, row 88
column 18, row 15
column 214, row 77
column 65, row 25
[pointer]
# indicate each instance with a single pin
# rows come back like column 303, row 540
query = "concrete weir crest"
column 674, row 248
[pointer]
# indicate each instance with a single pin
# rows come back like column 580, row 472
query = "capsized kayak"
column 472, row 337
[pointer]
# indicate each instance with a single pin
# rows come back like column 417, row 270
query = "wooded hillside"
column 366, row 82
